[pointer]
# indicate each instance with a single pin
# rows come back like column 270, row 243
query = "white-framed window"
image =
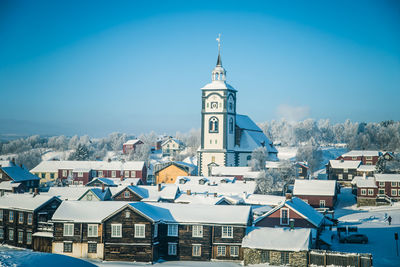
column 381, row 191
column 353, row 158
column 1, row 233
column 28, row 238
column 140, row 230
column 340, row 176
column 126, row 174
column 172, row 230
column 363, row 191
column 394, row 184
column 234, row 251
column 100, row 174
column 80, row 182
column 370, row 192
column 127, row 214
column 171, row 248
column 284, row 216
column 196, row 250
column 116, row 230
column 322, row 203
column 64, row 173
column 368, row 158
column 227, row 231
column 80, row 174
column 30, row 218
column 1, row 215
column 89, row 197
column 92, row 247
column 127, row 194
column 11, row 234
column 20, row 217
column 350, row 176
column 394, row 192
column 345, row 170
column 11, row 216
column 197, row 231
column 113, row 174
column 20, row 236
column 368, row 163
column 221, row 250
column 133, row 174
column 398, row 192
column 68, row 229
column 155, row 230
column 93, row 230
column 68, row 247
column 381, row 183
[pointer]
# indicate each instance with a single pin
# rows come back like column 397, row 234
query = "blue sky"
column 96, row 67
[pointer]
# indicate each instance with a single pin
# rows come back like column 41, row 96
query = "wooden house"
column 302, row 170
column 131, row 145
column 317, row 193
column 24, row 220
column 114, row 182
column 367, row 157
column 18, row 174
column 11, row 187
column 172, row 146
column 97, row 194
column 379, row 189
column 342, row 171
column 168, row 172
column 158, row 193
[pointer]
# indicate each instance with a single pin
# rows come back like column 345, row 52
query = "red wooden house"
column 317, row 193
column 367, row 157
column 131, row 145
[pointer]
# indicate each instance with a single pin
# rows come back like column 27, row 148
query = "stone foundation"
column 366, row 202
column 254, row 256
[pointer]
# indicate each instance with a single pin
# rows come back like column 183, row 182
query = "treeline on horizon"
column 383, row 136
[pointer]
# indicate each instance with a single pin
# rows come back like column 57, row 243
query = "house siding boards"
column 238, row 234
column 314, row 201
column 186, row 241
column 122, row 197
column 128, row 247
column 274, row 219
column 169, row 174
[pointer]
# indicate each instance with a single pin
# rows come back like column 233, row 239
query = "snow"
column 287, row 153
column 19, row 174
column 132, row 142
column 198, row 199
column 283, row 239
column 246, row 172
column 5, row 163
column 387, row 177
column 43, row 234
column 28, row 202
column 56, row 155
column 67, row 193
column 218, row 84
column 258, row 199
column 8, row 185
column 314, row 187
column 86, row 211
column 366, row 168
column 360, row 153
column 345, row 164
column 167, row 263
column 360, row 181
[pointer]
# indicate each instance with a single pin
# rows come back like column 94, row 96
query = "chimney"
column 20, row 165
column 13, row 161
column 364, row 175
column 215, row 194
column 188, row 192
column 36, row 192
column 159, row 187
column 102, row 188
column 122, row 178
column 13, row 190
column 288, row 196
column 131, row 184
column 341, row 160
column 291, row 223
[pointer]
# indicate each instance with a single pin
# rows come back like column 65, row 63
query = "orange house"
column 168, row 172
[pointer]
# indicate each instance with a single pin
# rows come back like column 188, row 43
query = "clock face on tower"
column 214, row 105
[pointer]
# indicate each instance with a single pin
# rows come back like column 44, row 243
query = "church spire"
column 219, row 73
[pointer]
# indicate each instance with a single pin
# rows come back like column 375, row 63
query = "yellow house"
column 47, row 171
column 168, row 172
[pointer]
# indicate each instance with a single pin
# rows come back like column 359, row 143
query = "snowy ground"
column 167, row 263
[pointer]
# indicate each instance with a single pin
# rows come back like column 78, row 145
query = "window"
column 363, row 192
column 133, row 174
column 68, row 247
column 52, row 175
column 172, row 230
column 100, row 174
column 116, row 230
column 89, row 197
column 11, row 216
column 340, row 176
column 197, row 230
column 64, row 173
column 370, row 192
column 248, row 158
column 1, row 233
column 264, row 256
column 350, row 177
column 230, row 124
column 92, row 230
column 21, row 217
column 155, row 230
column 234, row 251
column 11, row 234
column 80, row 182
column 1, row 215
column 368, row 163
column 381, row 191
column 284, row 216
column 171, row 248
column 126, row 173
column 394, row 184
column 127, row 214
column 68, row 229
column 113, row 174
column 300, row 170
column 322, row 203
column 80, row 174
column 394, row 192
column 227, row 231
column 381, row 183
column 20, row 236
column 196, row 250
column 28, row 238
column 221, row 250
column 43, row 175
column 345, row 170
column 127, row 194
column 368, row 158
column 92, row 247
column 140, row 230
column 213, row 125
column 284, row 257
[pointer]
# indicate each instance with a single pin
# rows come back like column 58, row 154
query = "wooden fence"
column 334, row 258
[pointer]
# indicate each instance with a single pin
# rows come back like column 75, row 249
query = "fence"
column 334, row 258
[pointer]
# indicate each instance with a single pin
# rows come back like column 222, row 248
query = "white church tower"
column 222, row 130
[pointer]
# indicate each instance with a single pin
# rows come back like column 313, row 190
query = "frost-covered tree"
column 311, row 154
column 258, row 158
column 81, row 153
column 29, row 159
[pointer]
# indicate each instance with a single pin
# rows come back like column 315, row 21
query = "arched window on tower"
column 231, row 125
column 213, row 125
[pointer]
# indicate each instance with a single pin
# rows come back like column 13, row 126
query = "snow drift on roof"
column 314, row 187
column 365, row 153
column 345, row 164
column 19, row 174
column 23, row 201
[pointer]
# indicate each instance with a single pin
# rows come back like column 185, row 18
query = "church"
column 227, row 138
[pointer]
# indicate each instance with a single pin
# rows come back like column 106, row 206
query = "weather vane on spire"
column 219, row 42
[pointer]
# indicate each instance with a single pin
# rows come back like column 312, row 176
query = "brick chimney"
column 215, row 194
column 159, row 187
column 122, row 178
column 188, row 192
column 103, row 188
column 36, row 192
column 288, row 196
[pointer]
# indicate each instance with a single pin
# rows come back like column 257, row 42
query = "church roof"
column 244, row 122
column 218, row 85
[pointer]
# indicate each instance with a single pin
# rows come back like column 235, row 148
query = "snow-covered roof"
column 207, row 199
column 302, row 208
column 273, row 164
column 190, row 168
column 8, row 185
column 387, row 177
column 244, row 122
column 281, row 239
column 344, row 164
column 150, row 193
column 54, row 166
column 314, row 187
column 366, row 168
column 246, row 172
column 172, row 139
column 6, row 163
column 361, row 181
column 67, row 193
column 99, row 193
column 19, row 174
column 115, row 181
column 132, row 142
column 365, row 153
column 258, row 199
column 29, row 202
column 86, row 211
column 218, row 84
